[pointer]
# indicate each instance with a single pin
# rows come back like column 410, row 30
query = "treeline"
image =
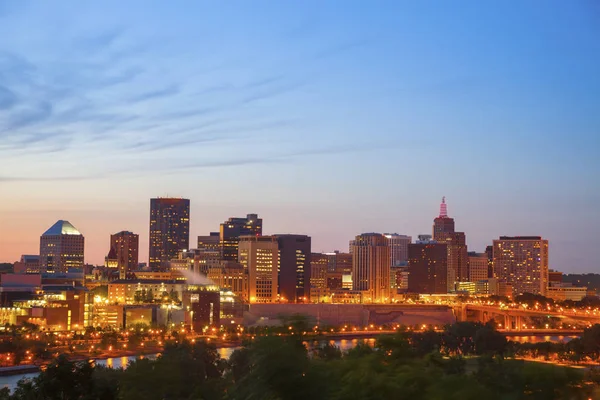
column 406, row 365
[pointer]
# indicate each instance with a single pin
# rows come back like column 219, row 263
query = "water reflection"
column 540, row 339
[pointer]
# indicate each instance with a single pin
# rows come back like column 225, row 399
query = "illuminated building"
column 260, row 257
column 126, row 245
column 129, row 291
column 210, row 242
column 28, row 264
column 229, row 275
column 183, row 263
column 398, row 248
column 318, row 278
column 61, row 248
column 443, row 232
column 371, row 267
column 231, row 231
column 428, row 267
column 465, row 287
column 111, row 261
column 523, row 262
column 339, row 262
column 566, row 291
column 478, row 267
column 294, row 267
column 169, row 230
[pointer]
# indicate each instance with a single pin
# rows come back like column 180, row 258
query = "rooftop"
column 62, row 227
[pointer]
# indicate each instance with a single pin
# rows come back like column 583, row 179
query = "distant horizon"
column 326, row 118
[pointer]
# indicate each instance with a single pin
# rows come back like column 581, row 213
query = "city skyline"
column 327, row 121
column 193, row 238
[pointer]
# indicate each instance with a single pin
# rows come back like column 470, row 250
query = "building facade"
column 371, row 267
column 126, row 246
column 428, row 267
column 260, row 257
column 231, row 231
column 398, row 248
column 294, row 268
column 169, row 230
column 61, row 248
column 478, row 267
column 523, row 262
column 443, row 232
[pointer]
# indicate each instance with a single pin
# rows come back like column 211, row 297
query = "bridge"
column 514, row 317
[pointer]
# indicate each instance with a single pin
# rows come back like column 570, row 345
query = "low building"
column 29, row 264
column 566, row 291
column 130, row 291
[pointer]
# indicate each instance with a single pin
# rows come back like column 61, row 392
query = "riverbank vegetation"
column 465, row 361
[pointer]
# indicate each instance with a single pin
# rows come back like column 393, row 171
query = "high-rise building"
column 231, row 231
column 126, row 246
column 209, row 242
column 371, row 267
column 318, row 277
column 427, row 267
column 169, row 230
column 260, row 257
column 61, row 248
column 398, row 248
column 523, row 262
column 294, row 268
column 489, row 250
column 478, row 267
column 443, row 232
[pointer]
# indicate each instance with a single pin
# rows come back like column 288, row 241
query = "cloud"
column 29, row 116
column 7, row 98
column 166, row 92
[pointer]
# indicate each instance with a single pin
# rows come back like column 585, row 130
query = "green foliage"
column 465, row 362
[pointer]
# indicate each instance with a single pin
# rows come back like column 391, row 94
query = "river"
column 225, row 352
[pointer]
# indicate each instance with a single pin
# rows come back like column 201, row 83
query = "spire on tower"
column 443, row 208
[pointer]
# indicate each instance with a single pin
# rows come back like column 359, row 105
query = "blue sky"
column 328, row 118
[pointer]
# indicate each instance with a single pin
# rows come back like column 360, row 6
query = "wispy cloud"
column 154, row 94
column 7, row 98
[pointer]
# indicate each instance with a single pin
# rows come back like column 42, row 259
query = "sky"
column 327, row 118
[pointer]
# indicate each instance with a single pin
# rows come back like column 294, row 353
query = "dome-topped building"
column 61, row 248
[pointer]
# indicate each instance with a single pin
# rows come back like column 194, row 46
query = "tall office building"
column 371, row 267
column 260, row 257
column 398, row 248
column 478, row 267
column 523, row 262
column 294, row 267
column 489, row 250
column 427, row 267
column 61, row 248
column 126, row 247
column 231, row 231
column 169, row 230
column 318, row 277
column 443, row 232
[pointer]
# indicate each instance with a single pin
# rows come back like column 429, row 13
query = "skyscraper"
column 427, row 267
column 260, row 257
column 126, row 246
column 232, row 229
column 443, row 232
column 523, row 262
column 371, row 266
column 398, row 248
column 294, row 267
column 169, row 230
column 61, row 248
